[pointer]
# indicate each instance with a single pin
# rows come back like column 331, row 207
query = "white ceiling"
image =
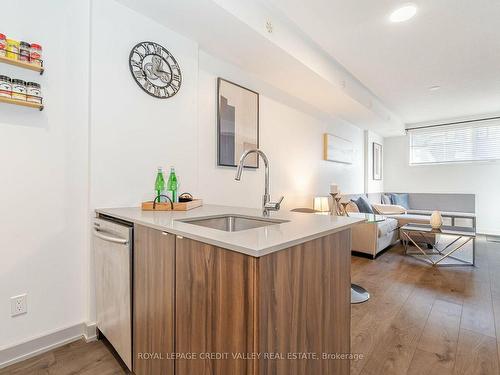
column 235, row 31
column 451, row 43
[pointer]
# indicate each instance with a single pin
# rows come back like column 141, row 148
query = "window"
column 473, row 141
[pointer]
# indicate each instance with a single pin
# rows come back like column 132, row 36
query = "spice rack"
column 23, row 64
column 21, row 103
column 24, row 61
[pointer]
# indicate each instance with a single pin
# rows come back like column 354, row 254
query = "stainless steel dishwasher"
column 113, row 245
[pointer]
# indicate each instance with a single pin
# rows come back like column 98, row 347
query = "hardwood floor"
column 76, row 358
column 420, row 320
column 424, row 320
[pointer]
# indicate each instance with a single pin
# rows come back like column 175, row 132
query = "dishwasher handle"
column 121, row 241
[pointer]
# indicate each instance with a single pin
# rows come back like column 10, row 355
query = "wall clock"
column 155, row 70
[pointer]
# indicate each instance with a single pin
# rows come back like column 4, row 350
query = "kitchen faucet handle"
column 273, row 206
column 278, row 205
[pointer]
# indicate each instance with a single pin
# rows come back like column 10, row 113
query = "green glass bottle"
column 159, row 184
column 172, row 184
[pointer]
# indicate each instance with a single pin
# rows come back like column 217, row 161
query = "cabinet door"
column 215, row 308
column 305, row 306
column 153, row 321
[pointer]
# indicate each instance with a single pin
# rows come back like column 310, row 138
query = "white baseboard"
column 41, row 344
column 488, row 232
column 90, row 333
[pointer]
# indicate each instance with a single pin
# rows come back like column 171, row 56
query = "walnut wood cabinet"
column 153, row 301
column 191, row 297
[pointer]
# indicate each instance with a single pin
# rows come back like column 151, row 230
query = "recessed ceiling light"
column 404, row 13
column 434, row 88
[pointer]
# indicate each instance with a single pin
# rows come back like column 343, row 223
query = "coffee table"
column 440, row 252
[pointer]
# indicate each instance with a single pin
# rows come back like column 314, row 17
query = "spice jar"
column 18, row 89
column 5, row 87
column 12, row 49
column 36, row 54
column 3, row 45
column 24, row 51
column 34, row 92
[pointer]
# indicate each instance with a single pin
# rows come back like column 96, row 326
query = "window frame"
column 463, row 125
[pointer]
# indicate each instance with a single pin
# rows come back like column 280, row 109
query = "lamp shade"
column 321, row 204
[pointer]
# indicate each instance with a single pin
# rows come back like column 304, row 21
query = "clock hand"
column 159, row 72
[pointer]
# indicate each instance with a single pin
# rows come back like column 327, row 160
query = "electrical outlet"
column 18, row 305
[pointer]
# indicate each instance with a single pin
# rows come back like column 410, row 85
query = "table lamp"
column 321, row 204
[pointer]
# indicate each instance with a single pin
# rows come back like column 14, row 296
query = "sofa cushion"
column 388, row 209
column 401, row 200
column 386, row 199
column 363, row 205
column 387, row 226
column 352, row 207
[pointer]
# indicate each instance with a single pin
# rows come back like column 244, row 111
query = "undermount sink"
column 232, row 223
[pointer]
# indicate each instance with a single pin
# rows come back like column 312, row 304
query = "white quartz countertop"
column 301, row 227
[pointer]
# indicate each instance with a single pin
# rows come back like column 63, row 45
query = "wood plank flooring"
column 420, row 320
column 424, row 320
column 76, row 358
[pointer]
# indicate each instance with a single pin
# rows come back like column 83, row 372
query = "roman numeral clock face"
column 155, row 70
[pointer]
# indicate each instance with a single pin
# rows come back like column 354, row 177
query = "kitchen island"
column 273, row 299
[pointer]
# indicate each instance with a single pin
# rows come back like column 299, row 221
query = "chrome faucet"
column 267, row 205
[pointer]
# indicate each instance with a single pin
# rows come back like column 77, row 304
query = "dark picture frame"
column 230, row 145
column 377, row 160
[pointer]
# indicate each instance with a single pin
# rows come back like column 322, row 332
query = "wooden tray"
column 165, row 206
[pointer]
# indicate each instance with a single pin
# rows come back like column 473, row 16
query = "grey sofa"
column 456, row 209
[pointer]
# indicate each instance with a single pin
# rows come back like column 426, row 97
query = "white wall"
column 291, row 138
column 371, row 185
column 482, row 179
column 133, row 133
column 128, row 145
column 43, row 164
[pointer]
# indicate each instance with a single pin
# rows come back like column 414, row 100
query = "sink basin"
column 232, row 223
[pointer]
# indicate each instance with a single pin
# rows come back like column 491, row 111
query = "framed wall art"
column 377, row 161
column 237, row 124
column 337, row 149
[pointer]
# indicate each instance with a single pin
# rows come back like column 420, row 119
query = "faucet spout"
column 266, row 204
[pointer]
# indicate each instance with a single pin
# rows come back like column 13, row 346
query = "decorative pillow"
column 389, row 209
column 401, row 200
column 352, row 207
column 386, row 199
column 363, row 205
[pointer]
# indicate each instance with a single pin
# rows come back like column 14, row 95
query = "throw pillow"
column 389, row 209
column 351, row 207
column 401, row 200
column 363, row 205
column 386, row 199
